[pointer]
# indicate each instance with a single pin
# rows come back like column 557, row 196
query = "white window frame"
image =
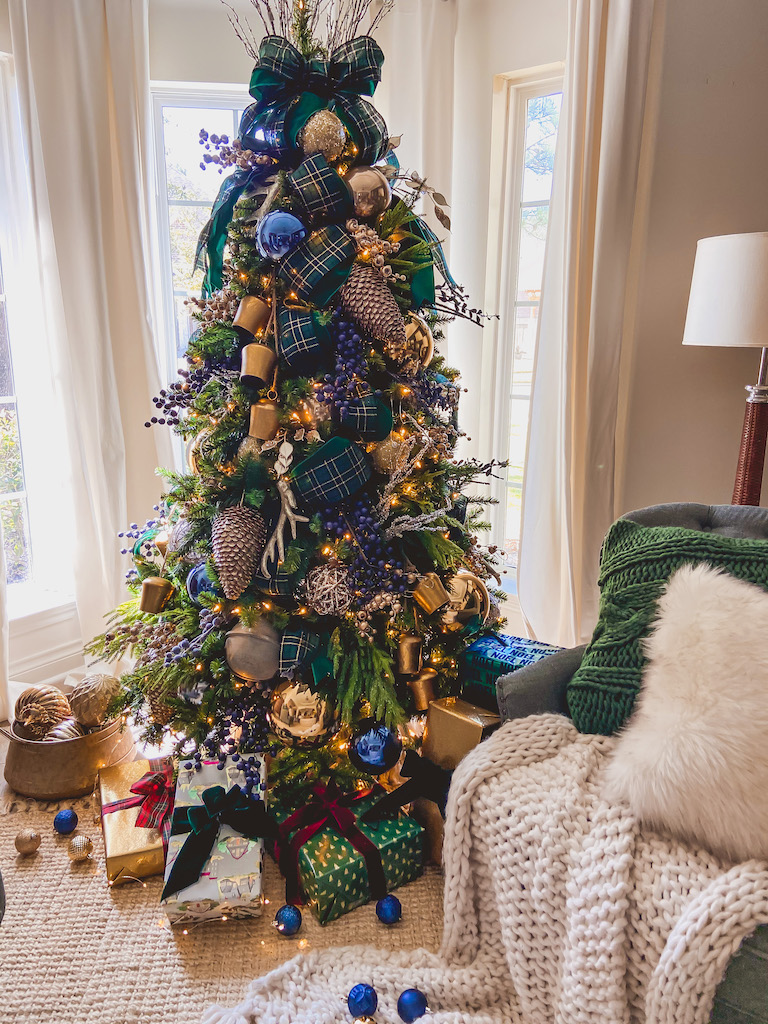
column 511, row 94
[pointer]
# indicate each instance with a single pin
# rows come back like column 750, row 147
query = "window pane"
column 533, row 240
column 186, row 223
column 11, row 469
column 542, row 117
column 183, row 152
column 526, row 325
column 15, row 540
column 6, row 370
column 185, row 324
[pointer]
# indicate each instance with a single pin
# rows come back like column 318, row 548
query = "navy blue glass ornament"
column 65, row 822
column 389, row 910
column 411, row 1005
column 288, row 919
column 199, row 582
column 278, row 233
column 375, row 748
column 362, row 1000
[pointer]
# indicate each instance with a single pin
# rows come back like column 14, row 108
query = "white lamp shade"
column 728, row 304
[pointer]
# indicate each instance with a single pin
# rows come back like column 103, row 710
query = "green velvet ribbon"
column 245, row 815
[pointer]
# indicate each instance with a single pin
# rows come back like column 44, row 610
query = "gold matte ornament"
column 80, row 848
column 422, row 687
column 39, row 708
column 27, row 842
column 252, row 314
column 469, row 600
column 323, row 133
column 371, row 193
column 90, row 698
column 156, row 592
column 430, row 594
column 265, row 419
column 299, row 716
column 257, row 364
column 408, row 654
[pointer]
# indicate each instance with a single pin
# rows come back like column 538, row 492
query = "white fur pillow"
column 693, row 759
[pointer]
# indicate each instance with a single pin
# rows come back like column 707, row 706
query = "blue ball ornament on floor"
column 362, row 1000
column 375, row 748
column 278, row 233
column 411, row 1005
column 288, row 920
column 389, row 909
column 199, row 582
column 65, row 822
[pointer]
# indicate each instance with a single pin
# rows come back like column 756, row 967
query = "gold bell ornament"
column 257, row 364
column 370, row 189
column 323, row 133
column 408, row 654
column 265, row 419
column 430, row 594
column 422, row 687
column 252, row 315
column 156, row 592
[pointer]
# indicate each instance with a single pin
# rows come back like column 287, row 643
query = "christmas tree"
column 310, row 583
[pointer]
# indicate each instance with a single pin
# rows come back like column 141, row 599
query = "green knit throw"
column 635, row 563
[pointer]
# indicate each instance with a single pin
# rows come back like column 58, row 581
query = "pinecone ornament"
column 238, row 535
column 366, row 297
column 161, row 710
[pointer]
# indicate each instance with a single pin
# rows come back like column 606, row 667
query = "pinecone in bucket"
column 238, row 535
column 367, row 299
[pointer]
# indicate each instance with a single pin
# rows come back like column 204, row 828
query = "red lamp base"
column 749, row 474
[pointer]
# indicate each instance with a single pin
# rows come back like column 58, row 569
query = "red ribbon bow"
column 154, row 796
column 328, row 807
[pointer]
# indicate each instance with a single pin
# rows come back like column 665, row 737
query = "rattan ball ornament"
column 323, row 133
column 39, row 708
column 27, row 842
column 80, row 848
column 69, row 729
column 90, row 698
column 328, row 589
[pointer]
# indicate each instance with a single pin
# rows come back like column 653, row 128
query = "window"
column 526, row 119
column 185, row 195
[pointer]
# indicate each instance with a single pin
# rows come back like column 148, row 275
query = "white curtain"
column 5, row 697
column 590, row 277
column 83, row 84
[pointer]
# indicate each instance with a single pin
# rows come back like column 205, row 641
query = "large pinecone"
column 239, row 535
column 367, row 299
column 160, row 709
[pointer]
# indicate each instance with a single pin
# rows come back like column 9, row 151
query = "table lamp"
column 728, row 306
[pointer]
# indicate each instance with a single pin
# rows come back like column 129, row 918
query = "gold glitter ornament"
column 363, row 1020
column 27, row 842
column 371, row 193
column 389, row 454
column 250, row 447
column 299, row 716
column 323, row 133
column 39, row 708
column 91, row 696
column 80, row 848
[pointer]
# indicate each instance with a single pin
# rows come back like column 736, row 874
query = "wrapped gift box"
column 230, row 883
column 130, row 852
column 492, row 656
column 454, row 727
column 333, row 874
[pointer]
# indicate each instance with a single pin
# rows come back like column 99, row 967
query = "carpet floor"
column 73, row 951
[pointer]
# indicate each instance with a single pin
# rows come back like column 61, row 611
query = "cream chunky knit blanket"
column 558, row 908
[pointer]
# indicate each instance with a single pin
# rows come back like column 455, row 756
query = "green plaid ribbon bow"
column 322, row 192
column 302, row 341
column 317, row 268
column 334, row 472
column 289, row 89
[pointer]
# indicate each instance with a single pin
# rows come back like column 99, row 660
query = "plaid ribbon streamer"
column 334, row 472
column 301, row 340
column 317, row 268
column 283, row 80
column 322, row 191
column 296, row 647
column 153, row 794
column 369, row 417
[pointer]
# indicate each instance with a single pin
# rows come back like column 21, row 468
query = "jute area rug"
column 73, row 951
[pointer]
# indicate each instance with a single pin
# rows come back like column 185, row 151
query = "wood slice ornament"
column 238, row 536
column 39, row 708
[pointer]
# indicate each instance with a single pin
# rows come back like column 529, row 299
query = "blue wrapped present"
column 492, row 656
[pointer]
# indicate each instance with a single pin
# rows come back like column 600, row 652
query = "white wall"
column 192, row 41
column 686, row 404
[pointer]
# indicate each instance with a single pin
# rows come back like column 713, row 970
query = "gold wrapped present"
column 132, row 794
column 454, row 727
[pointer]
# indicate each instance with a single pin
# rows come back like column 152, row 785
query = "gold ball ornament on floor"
column 299, row 716
column 39, row 708
column 469, row 603
column 79, row 848
column 323, row 133
column 389, row 454
column 91, row 696
column 27, row 842
column 370, row 189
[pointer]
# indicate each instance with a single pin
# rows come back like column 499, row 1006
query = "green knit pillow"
column 635, row 563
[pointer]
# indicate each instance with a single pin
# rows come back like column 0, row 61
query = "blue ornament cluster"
column 350, row 367
column 209, row 621
column 363, row 1001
